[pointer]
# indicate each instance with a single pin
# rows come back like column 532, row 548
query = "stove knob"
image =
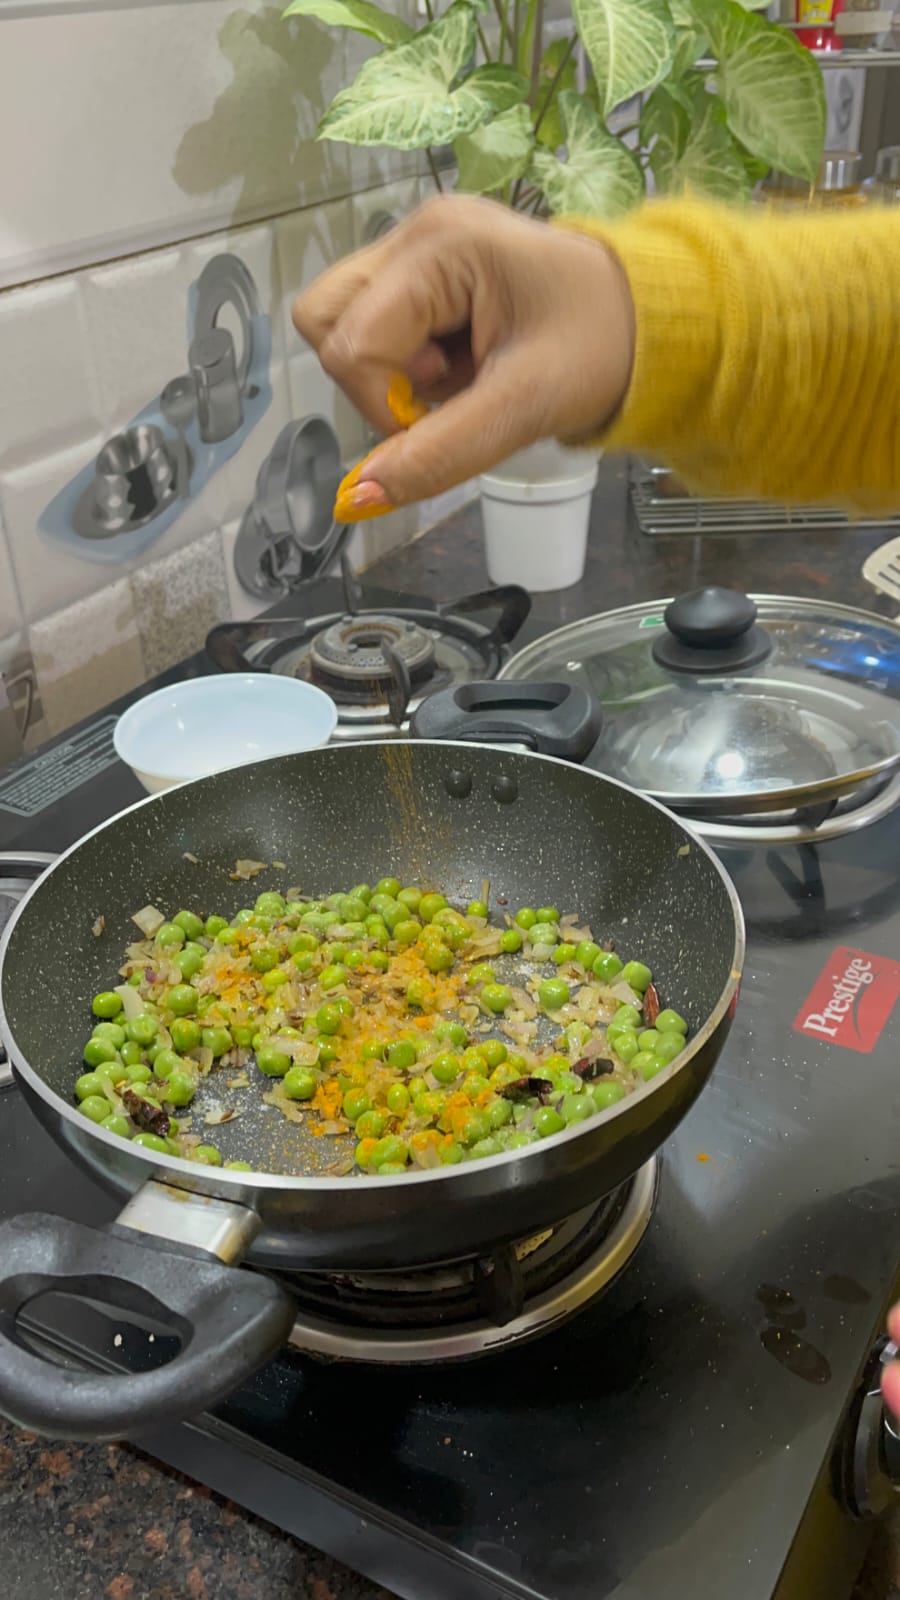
column 874, row 1464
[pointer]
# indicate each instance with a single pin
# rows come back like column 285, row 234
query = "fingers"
column 501, row 412
column 890, row 1387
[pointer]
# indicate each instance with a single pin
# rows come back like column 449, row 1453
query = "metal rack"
column 661, row 514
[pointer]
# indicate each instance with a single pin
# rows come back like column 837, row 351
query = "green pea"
column 637, row 975
column 510, row 941
column 500, row 1112
column 482, row 973
column 406, row 931
column 476, row 1126
column 190, row 924
column 89, row 1085
column 446, row 1067
column 371, row 1124
column 118, row 1125
column 242, row 917
column 218, row 1040
column 269, row 903
column 577, row 1108
column 451, row 1154
column 182, row 1000
column 430, row 905
column 274, row 980
column 335, row 952
column 437, row 958
column 563, row 953
column 577, row 1034
column 142, row 1030
column 166, row 1062
column 138, row 1072
column 398, row 1098
column 646, row 1063
column 238, row 1166
column 327, row 1051
column 606, row 1093
column 483, row 1148
column 262, row 922
column 331, row 977
column 189, row 960
column 274, row 1063
column 303, row 942
column 207, row 1155
column 379, row 961
column 95, row 1106
column 587, row 952
column 493, row 1052
column 329, row 1018
column 131, row 1053
column 547, row 1121
column 670, row 1045
column 179, row 1089
column 392, row 1149
column 303, row 961
column 477, row 908
column 169, row 936
column 213, row 926
column 401, row 1053
column 506, row 1074
column 388, row 886
column 361, row 891
column 186, row 1034
column 497, row 997
column 554, row 993
column 668, row 1021
column 228, row 936
column 372, row 1050
column 474, row 1084
column 625, row 1045
column 526, row 918
column 389, row 1169
column 626, row 1017
column 429, row 1103
column 607, row 966
column 264, row 958
column 152, row 1141
column 648, row 1039
column 106, row 1004
column 111, row 1031
column 418, row 993
column 300, row 1083
column 96, row 1051
column 453, row 1032
column 355, row 1102
column 518, row 1141
column 354, row 909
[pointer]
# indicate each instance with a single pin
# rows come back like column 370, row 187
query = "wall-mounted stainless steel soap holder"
column 288, row 534
column 140, row 479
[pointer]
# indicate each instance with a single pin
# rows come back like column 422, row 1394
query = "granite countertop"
column 102, row 1522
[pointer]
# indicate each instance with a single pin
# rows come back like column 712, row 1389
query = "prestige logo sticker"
column 851, row 1001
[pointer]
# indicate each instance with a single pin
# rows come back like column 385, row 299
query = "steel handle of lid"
column 835, row 827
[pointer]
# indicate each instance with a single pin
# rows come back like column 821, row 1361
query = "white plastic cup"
column 536, row 508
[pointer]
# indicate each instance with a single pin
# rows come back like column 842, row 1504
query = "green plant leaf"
column 551, row 132
column 496, row 153
column 599, row 178
column 771, row 87
column 405, row 96
column 690, row 44
column 361, row 15
column 629, row 42
column 665, row 127
column 708, row 161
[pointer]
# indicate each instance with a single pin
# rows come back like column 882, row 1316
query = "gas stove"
column 680, row 1382
column 378, row 662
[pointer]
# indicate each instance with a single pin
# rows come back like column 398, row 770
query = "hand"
column 522, row 330
column 890, row 1377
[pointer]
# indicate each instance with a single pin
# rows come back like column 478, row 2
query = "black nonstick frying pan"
column 542, row 831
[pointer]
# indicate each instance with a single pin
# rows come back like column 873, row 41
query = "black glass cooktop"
column 686, row 1433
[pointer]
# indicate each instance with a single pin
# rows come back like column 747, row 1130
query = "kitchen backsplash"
column 86, row 612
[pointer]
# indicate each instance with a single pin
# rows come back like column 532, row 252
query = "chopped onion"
column 132, row 1002
column 302, row 1050
column 246, row 868
column 149, row 920
column 98, row 926
column 542, row 952
column 186, row 855
column 524, row 1002
column 623, row 992
column 280, row 866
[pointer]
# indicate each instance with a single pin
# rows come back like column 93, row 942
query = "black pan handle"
column 229, row 1321
column 554, row 719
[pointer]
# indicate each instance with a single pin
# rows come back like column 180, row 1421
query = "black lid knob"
column 711, row 630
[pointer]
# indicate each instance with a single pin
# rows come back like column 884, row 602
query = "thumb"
column 503, row 410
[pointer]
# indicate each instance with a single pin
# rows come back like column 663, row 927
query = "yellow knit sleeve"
column 767, row 359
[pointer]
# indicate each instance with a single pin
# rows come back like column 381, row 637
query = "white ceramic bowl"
column 209, row 724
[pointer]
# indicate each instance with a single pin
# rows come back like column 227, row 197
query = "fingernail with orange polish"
column 357, row 502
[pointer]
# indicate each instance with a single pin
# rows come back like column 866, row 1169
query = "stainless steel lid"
column 721, row 704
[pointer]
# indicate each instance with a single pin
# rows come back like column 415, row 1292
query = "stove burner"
column 17, row 874
column 464, row 1309
column 351, row 653
column 377, row 665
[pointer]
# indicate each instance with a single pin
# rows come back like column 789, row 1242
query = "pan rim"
column 213, row 1180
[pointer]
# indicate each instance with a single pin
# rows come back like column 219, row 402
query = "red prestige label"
column 852, row 1000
